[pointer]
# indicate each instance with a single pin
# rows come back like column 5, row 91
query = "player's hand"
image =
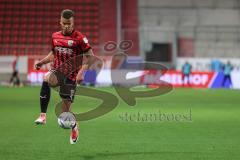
column 38, row 65
column 79, row 78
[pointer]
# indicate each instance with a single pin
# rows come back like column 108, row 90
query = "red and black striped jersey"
column 68, row 52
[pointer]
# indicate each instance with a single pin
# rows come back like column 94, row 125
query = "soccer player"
column 186, row 71
column 227, row 69
column 68, row 48
column 15, row 80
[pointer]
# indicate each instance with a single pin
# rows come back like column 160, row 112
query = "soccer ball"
column 66, row 120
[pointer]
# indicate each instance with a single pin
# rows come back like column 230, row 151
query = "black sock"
column 44, row 97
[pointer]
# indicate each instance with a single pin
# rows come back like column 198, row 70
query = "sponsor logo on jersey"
column 63, row 50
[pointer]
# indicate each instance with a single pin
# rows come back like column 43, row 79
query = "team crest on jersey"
column 70, row 43
column 85, row 40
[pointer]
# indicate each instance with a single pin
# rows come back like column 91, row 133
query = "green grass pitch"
column 213, row 132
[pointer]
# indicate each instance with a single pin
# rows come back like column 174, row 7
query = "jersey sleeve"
column 84, row 44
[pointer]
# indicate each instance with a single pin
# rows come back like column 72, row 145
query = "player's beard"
column 67, row 31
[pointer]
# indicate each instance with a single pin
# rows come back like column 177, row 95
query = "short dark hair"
column 67, row 13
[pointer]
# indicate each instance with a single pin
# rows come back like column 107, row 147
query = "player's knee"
column 45, row 79
column 51, row 79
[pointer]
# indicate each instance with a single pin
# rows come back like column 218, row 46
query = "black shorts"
column 15, row 73
column 67, row 87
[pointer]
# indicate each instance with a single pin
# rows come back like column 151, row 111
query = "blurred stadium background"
column 204, row 33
